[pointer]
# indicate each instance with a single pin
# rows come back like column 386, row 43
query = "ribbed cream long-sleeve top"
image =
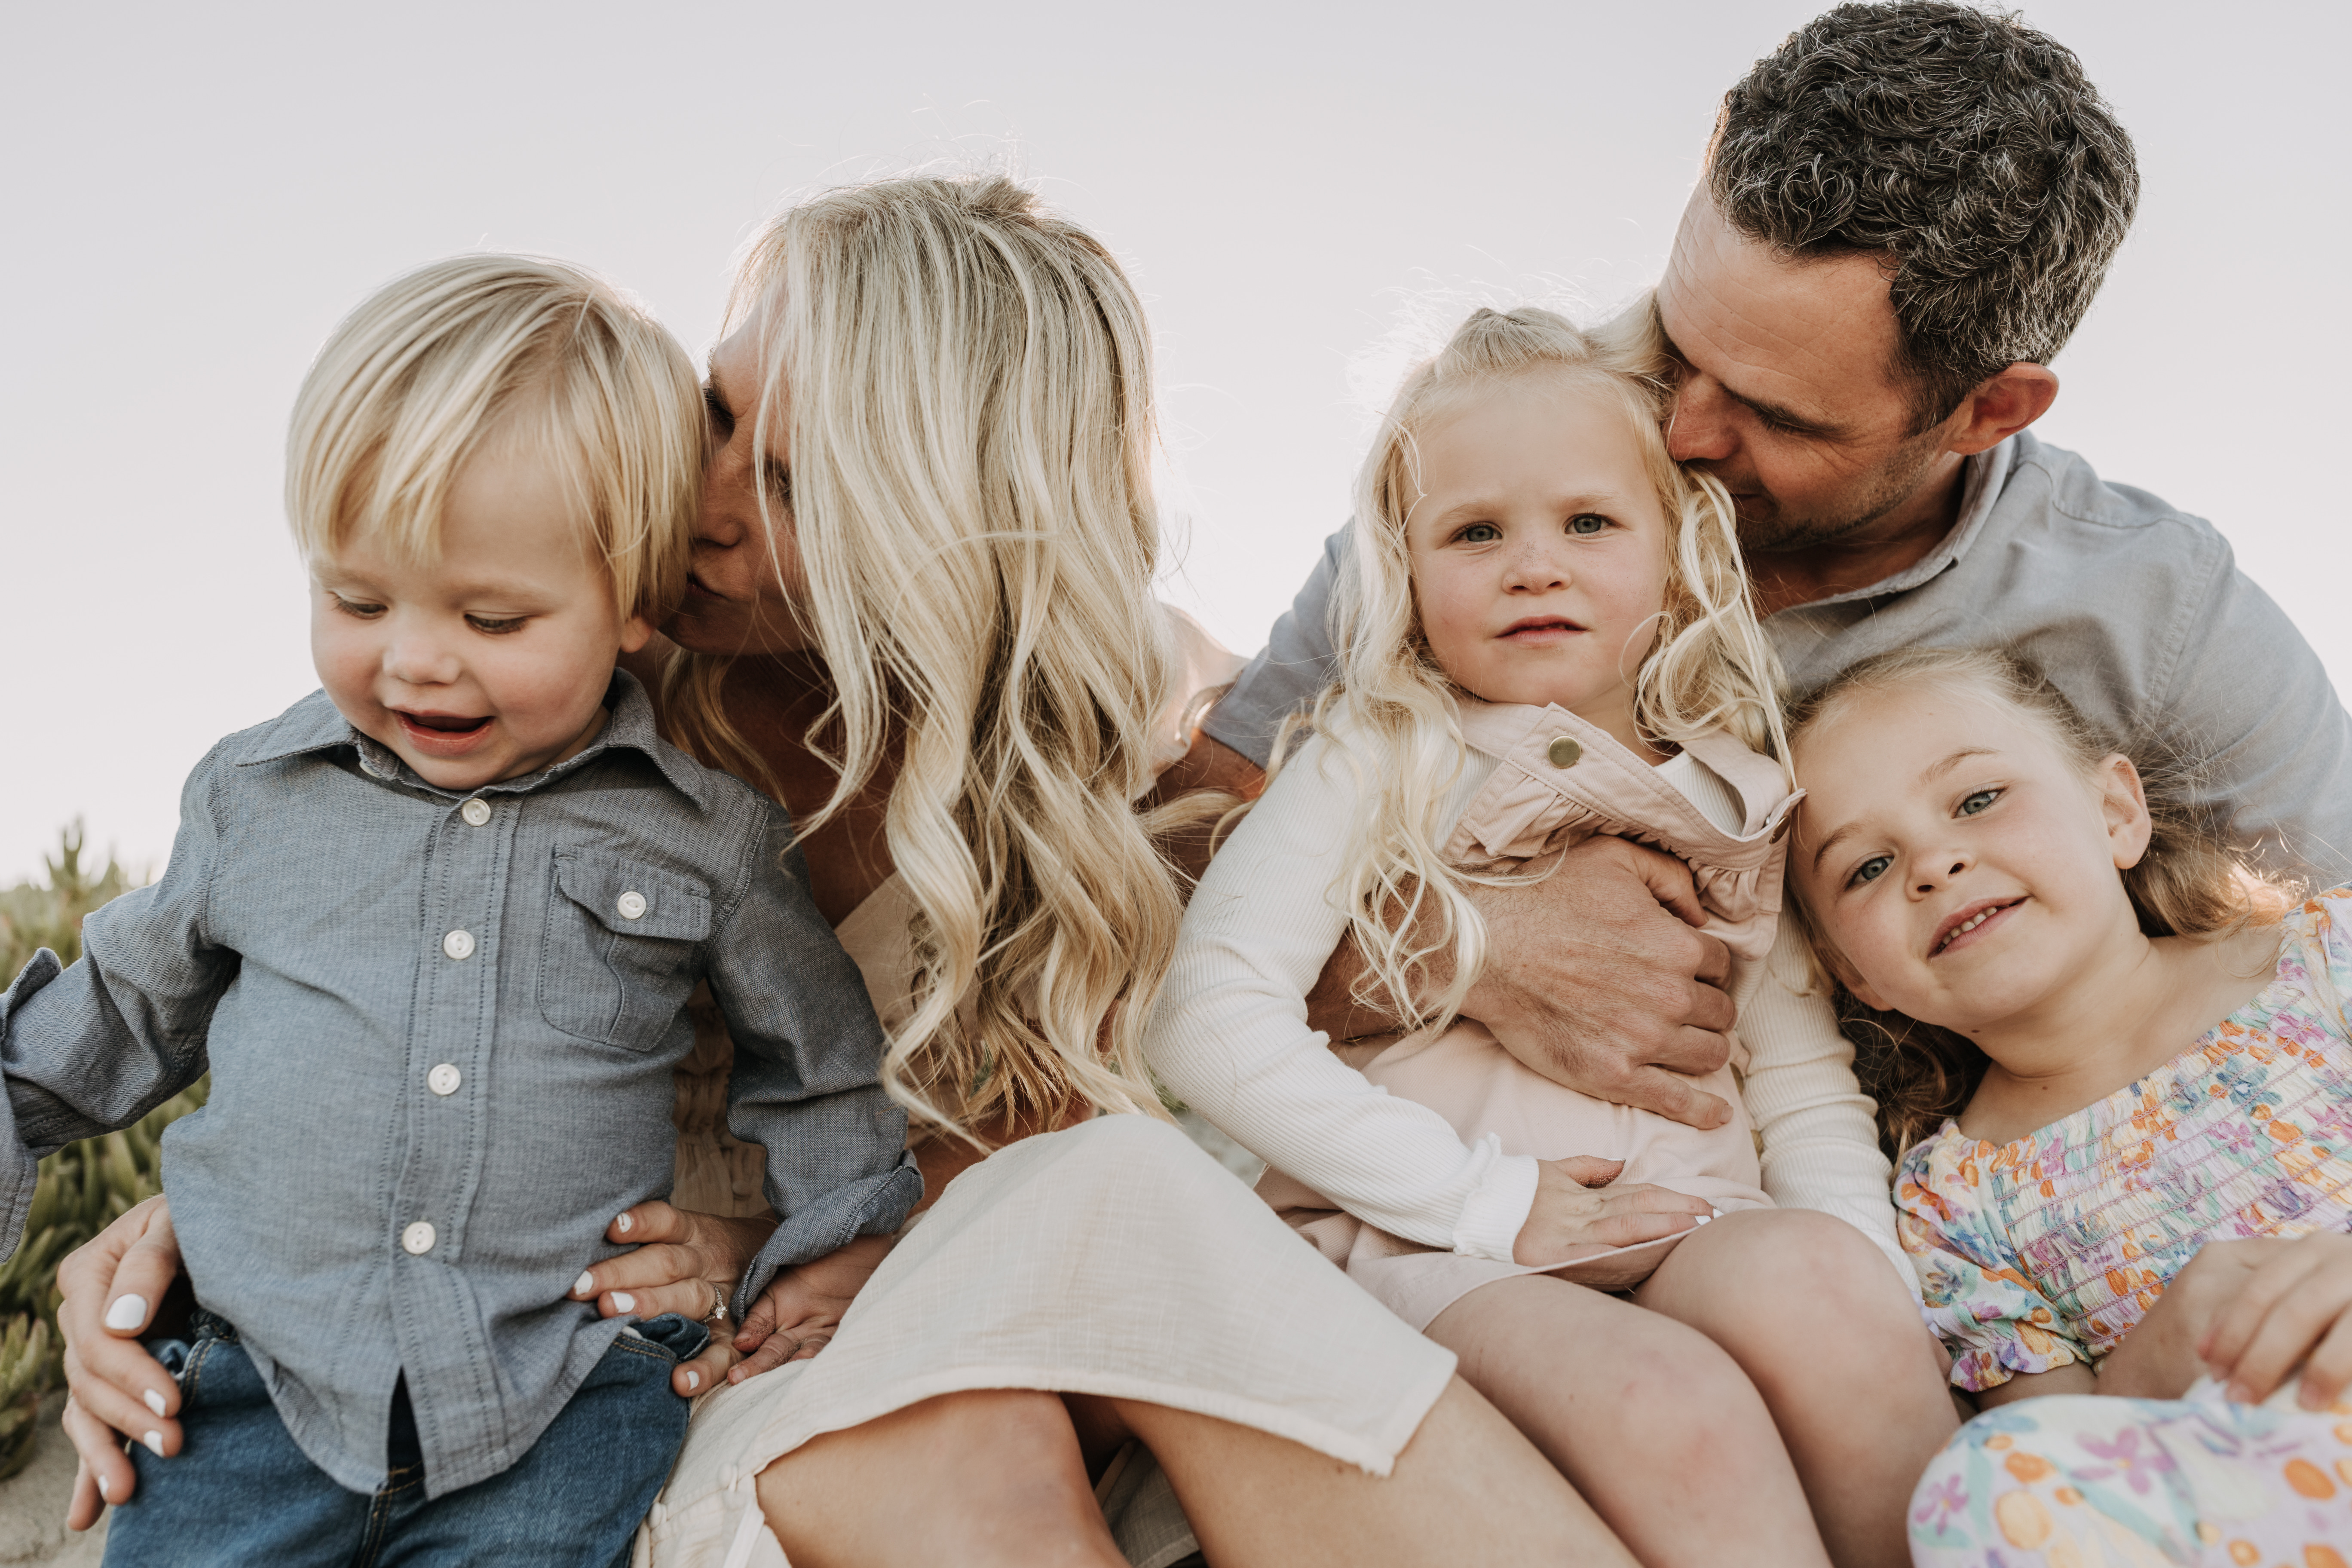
column 1230, row 1037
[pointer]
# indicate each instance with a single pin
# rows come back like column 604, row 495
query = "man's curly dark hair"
column 1965, row 148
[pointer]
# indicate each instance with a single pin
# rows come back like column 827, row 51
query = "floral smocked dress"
column 2048, row 1250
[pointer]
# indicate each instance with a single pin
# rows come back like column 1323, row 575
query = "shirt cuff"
column 1497, row 1206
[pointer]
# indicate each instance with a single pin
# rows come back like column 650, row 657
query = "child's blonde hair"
column 1392, row 712
column 412, row 384
column 2186, row 883
column 968, row 383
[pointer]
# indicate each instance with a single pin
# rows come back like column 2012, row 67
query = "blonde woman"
column 921, row 616
column 1549, row 637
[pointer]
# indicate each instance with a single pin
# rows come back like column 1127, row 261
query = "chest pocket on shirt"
column 618, row 963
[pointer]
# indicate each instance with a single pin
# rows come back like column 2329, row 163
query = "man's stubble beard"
column 1770, row 532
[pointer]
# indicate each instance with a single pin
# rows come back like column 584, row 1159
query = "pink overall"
column 1562, row 781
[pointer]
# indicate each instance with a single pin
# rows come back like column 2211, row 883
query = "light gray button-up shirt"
column 441, row 1030
column 2136, row 610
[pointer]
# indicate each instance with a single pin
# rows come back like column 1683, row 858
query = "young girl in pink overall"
column 1550, row 637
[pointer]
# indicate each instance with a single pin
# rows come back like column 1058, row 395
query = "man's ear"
column 2123, row 803
column 2001, row 408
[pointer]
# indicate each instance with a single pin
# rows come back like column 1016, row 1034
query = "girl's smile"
column 1975, row 921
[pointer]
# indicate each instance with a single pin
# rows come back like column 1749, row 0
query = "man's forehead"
column 1817, row 337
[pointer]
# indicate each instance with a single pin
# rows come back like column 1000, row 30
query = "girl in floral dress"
column 2119, row 1069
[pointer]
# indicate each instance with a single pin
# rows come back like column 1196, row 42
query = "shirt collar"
column 1983, row 476
column 316, row 724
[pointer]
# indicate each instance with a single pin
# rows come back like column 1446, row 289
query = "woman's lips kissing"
column 1969, row 922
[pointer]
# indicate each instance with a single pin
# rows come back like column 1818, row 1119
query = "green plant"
column 83, row 1187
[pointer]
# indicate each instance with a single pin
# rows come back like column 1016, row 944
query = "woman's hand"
column 686, row 1263
column 2293, row 1306
column 1577, row 1212
column 112, row 1285
column 796, row 1315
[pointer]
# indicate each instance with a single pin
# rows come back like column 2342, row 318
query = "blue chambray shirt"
column 441, row 1030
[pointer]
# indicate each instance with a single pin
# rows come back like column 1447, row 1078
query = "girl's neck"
column 2137, row 1005
column 1612, row 714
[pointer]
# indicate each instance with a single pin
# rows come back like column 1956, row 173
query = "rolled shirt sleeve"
column 1295, row 663
column 94, row 1047
column 804, row 1085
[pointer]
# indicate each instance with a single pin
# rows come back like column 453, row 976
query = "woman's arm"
column 1818, row 1129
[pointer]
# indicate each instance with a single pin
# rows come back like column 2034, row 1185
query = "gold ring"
column 718, row 1312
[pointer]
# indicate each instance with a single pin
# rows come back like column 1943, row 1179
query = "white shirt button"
column 632, row 905
column 458, row 944
column 475, row 811
column 418, row 1239
column 444, row 1080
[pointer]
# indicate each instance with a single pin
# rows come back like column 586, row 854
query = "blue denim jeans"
column 240, row 1491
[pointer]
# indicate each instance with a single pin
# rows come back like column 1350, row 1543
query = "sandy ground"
column 32, row 1504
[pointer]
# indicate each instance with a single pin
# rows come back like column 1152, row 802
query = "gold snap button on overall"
column 1564, row 751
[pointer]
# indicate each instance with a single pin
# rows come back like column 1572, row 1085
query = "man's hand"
column 2292, row 1307
column 1578, row 1212
column 1596, row 979
column 797, row 1315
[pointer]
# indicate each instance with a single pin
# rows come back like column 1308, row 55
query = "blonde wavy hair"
column 409, row 385
column 1392, row 714
column 969, row 387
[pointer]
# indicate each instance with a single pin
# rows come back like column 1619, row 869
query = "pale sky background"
column 193, row 194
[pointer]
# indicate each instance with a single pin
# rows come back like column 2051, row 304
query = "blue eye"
column 1978, row 801
column 1480, row 533
column 1870, row 870
column 1585, row 524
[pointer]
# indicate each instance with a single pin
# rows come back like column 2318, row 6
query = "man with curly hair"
column 1906, row 212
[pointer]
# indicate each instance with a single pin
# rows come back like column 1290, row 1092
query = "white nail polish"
column 693, row 1380
column 1701, row 1218
column 585, row 1285
column 623, row 1302
column 155, row 1401
column 103, row 1494
column 624, row 1225
column 126, row 1313
column 154, row 1441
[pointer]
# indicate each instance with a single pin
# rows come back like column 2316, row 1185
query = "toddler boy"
column 433, row 931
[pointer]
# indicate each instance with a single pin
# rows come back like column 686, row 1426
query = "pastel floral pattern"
column 2048, row 1250
column 2086, row 1481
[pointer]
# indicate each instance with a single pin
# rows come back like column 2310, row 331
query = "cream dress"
column 1113, row 1258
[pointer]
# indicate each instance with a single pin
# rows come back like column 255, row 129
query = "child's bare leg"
column 1818, row 1320
column 1656, row 1427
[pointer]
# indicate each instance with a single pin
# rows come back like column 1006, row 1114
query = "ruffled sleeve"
column 1978, row 1298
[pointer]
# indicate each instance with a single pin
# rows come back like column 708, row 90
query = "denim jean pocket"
column 616, row 965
